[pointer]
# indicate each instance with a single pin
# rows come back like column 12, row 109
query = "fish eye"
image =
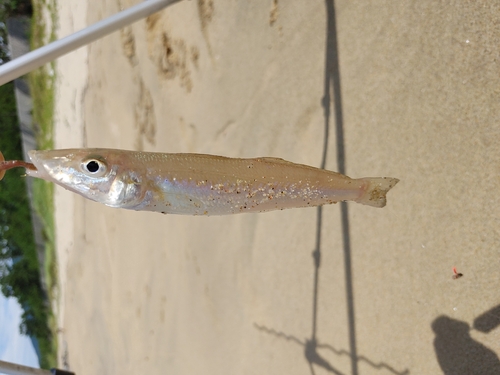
column 94, row 167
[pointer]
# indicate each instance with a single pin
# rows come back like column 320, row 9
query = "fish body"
column 199, row 184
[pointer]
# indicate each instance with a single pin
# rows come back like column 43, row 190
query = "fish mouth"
column 38, row 161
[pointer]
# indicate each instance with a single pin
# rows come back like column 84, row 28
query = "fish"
column 197, row 184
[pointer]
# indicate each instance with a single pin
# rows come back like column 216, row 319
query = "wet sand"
column 411, row 92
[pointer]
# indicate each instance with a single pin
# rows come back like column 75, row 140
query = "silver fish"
column 198, row 184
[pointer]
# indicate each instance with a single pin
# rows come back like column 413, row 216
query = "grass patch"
column 42, row 88
column 42, row 80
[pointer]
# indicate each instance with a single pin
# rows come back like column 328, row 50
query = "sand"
column 411, row 92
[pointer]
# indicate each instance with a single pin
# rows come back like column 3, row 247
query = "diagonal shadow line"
column 362, row 358
column 309, row 345
column 332, row 87
column 310, row 349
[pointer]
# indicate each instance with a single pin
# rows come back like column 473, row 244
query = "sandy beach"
column 406, row 90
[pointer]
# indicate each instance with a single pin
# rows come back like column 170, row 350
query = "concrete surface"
column 400, row 89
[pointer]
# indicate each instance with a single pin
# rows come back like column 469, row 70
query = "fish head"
column 100, row 175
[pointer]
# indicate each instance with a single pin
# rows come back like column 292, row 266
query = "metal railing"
column 52, row 51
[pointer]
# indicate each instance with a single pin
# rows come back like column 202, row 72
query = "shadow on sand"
column 458, row 353
column 332, row 95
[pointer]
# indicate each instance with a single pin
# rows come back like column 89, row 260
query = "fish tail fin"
column 376, row 189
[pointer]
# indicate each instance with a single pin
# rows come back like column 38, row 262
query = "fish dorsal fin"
column 283, row 162
column 274, row 160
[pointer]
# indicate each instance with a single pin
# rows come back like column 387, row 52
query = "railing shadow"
column 313, row 357
column 332, row 95
column 332, row 87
